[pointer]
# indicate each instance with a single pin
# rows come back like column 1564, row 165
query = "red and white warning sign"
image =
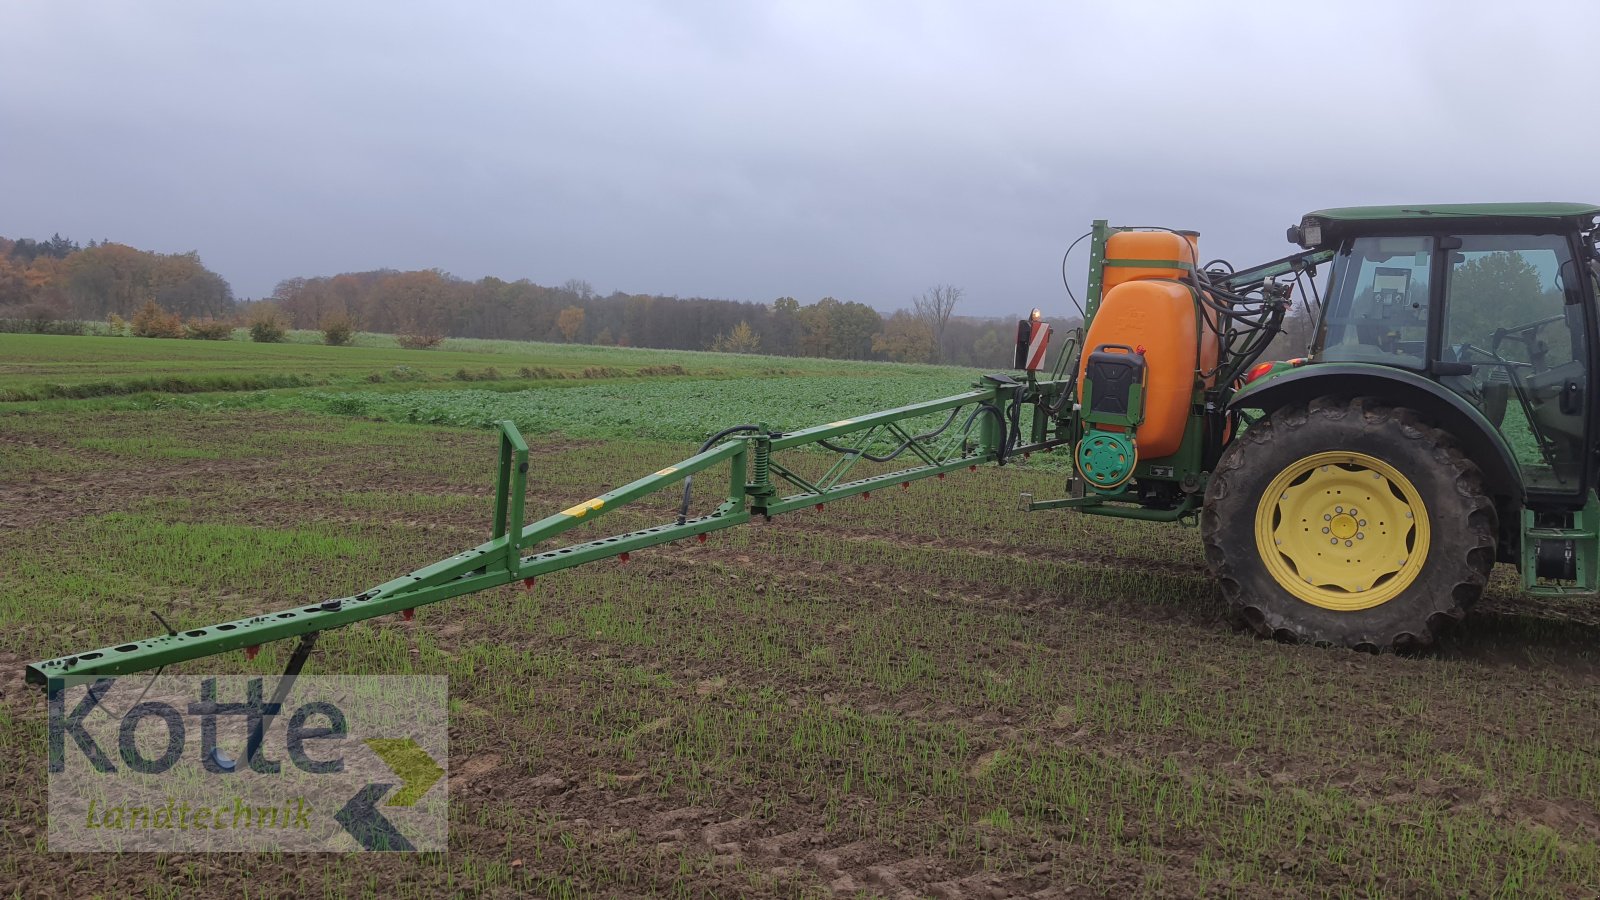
column 1038, row 343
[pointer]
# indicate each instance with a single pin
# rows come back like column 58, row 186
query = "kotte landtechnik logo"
column 341, row 763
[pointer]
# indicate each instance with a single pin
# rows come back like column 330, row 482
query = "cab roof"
column 1327, row 227
column 1458, row 210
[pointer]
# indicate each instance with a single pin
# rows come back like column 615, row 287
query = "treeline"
column 424, row 305
column 54, row 284
column 56, row 279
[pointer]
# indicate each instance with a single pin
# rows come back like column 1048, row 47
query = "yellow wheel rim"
column 1344, row 531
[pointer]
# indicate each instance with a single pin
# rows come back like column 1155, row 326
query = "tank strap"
column 1150, row 264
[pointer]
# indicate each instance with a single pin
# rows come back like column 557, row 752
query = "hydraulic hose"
column 688, row 480
column 1004, row 444
column 1015, row 413
column 927, row 435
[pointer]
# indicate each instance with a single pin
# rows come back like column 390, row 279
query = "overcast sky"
column 750, row 150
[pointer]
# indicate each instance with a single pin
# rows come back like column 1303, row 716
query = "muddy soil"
column 593, row 818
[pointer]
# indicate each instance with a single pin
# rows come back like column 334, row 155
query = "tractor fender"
column 1479, row 439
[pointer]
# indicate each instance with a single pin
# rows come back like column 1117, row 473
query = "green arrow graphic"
column 416, row 768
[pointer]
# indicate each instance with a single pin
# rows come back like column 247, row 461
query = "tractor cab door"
column 1515, row 324
column 1378, row 302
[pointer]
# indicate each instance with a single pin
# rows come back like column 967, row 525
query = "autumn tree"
column 110, row 278
column 180, row 283
column 307, row 302
column 783, row 326
column 579, row 288
column 934, row 309
column 636, row 313
column 299, row 299
column 46, row 283
column 570, row 322
column 739, row 339
column 114, row 278
column 816, row 328
column 853, row 327
column 154, row 322
column 421, row 303
column 905, row 338
column 338, row 330
column 14, row 288
column 267, row 324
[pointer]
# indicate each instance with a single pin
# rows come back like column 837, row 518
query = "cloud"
column 751, row 151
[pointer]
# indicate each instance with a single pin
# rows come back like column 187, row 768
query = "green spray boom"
column 979, row 427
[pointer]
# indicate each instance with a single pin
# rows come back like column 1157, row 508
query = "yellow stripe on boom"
column 584, row 508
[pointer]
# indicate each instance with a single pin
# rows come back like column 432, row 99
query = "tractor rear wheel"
column 1348, row 522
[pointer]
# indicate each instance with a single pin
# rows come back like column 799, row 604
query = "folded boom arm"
column 980, row 426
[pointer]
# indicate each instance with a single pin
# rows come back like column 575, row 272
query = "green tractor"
column 1439, row 423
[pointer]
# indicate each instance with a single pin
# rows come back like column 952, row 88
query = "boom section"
column 966, row 430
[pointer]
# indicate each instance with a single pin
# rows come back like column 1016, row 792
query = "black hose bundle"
column 688, row 480
column 1000, row 418
column 927, row 435
column 1251, row 324
column 1006, row 442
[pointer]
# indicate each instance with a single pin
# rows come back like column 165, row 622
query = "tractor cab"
column 1494, row 302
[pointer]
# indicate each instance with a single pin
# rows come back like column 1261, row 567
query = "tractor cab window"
column 1378, row 303
column 1514, row 312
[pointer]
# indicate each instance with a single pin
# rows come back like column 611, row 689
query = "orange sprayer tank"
column 1151, row 247
column 1145, row 307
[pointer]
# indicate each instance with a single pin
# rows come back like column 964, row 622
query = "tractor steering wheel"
column 1496, row 358
column 1526, row 334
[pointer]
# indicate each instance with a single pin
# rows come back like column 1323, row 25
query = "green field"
column 38, row 367
column 923, row 693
